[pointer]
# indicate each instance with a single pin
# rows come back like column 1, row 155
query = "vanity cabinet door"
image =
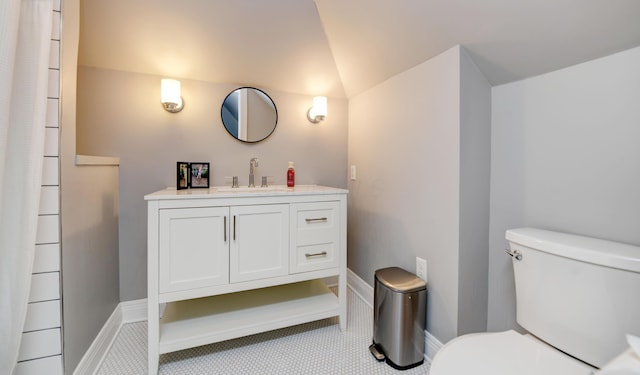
column 193, row 248
column 259, row 246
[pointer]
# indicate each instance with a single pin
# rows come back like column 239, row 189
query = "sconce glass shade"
column 170, row 95
column 318, row 112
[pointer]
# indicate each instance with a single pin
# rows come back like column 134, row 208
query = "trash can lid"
column 399, row 280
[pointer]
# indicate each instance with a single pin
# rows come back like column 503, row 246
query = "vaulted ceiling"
column 340, row 48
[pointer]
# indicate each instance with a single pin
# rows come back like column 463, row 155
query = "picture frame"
column 199, row 175
column 182, row 175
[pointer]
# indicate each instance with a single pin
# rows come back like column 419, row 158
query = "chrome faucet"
column 252, row 163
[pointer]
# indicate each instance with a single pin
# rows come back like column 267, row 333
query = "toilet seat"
column 503, row 353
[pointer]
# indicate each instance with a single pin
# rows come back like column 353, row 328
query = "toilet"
column 576, row 296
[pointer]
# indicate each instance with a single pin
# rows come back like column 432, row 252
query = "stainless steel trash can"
column 400, row 299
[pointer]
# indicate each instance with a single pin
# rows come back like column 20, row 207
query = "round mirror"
column 249, row 114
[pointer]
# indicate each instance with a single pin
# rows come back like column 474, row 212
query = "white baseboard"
column 331, row 281
column 136, row 311
column 431, row 347
column 360, row 287
column 125, row 312
column 365, row 291
column 93, row 357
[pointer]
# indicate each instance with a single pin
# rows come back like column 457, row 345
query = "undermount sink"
column 245, row 189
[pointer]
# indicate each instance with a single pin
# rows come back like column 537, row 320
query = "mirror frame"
column 263, row 93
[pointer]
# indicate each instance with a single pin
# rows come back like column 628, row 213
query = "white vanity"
column 230, row 262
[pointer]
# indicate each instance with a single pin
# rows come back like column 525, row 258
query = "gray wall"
column 475, row 160
column 565, row 156
column 119, row 114
column 89, row 254
column 405, row 140
column 89, row 219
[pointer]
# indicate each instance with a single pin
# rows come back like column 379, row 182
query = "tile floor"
column 313, row 348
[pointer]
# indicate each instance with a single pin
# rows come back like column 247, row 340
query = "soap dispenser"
column 291, row 175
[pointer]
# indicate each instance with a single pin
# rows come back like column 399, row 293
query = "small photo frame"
column 199, row 177
column 182, row 175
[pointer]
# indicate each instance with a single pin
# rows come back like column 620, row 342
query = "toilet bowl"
column 504, row 353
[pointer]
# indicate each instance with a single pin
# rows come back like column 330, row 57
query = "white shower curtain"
column 25, row 39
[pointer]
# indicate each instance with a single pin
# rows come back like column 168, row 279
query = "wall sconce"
column 170, row 95
column 318, row 112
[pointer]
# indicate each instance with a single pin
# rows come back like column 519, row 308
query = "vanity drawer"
column 315, row 223
column 315, row 233
column 314, row 257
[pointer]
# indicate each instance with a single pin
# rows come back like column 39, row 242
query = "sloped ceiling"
column 276, row 44
column 342, row 47
column 508, row 39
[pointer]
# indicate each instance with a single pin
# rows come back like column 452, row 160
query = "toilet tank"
column 578, row 294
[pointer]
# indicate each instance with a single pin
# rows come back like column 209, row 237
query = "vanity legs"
column 153, row 330
column 342, row 301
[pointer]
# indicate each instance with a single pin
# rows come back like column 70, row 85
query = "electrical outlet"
column 353, row 173
column 421, row 268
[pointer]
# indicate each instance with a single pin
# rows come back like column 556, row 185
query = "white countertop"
column 228, row 192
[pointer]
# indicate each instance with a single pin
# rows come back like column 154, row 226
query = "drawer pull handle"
column 225, row 229
column 320, row 254
column 234, row 227
column 316, row 220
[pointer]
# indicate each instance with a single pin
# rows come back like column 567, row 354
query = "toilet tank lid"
column 586, row 249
